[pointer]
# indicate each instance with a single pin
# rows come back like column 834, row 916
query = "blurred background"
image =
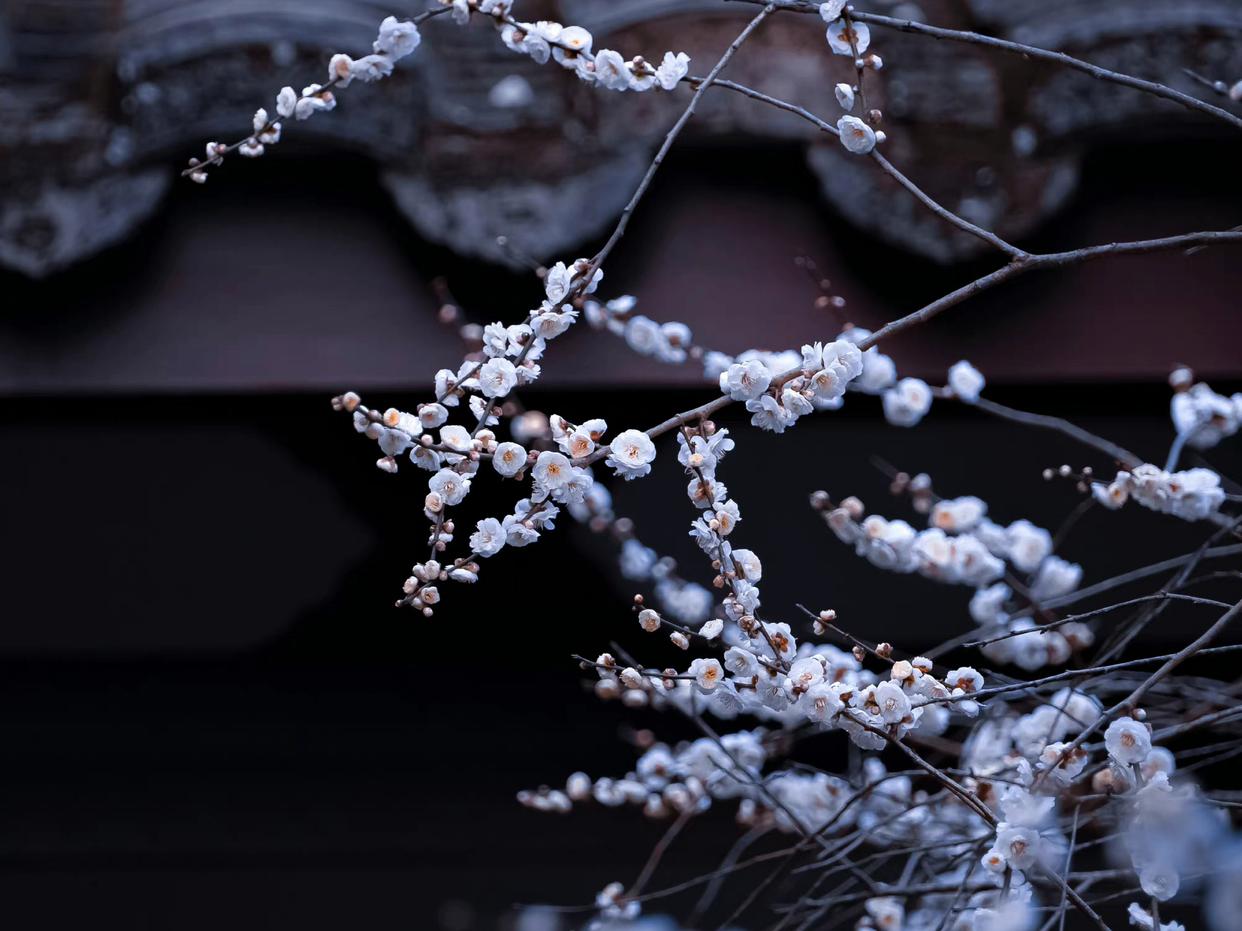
column 209, row 710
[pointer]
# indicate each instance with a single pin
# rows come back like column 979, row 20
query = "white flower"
column 271, row 135
column 394, row 442
column 1064, row 769
column 987, row 604
column 707, row 673
column 745, row 381
column 832, row 10
column 396, row 39
column 549, row 324
column 879, row 372
column 741, row 662
column 643, row 335
column 450, row 486
column 509, row 459
column 1026, row 545
column 314, row 98
column 456, row 437
column 339, row 69
column 552, row 471
column 1159, row 880
column 845, row 96
column 1205, row 416
column 286, row 101
column 672, row 69
column 966, row 381
column 632, row 454
column 1127, row 741
column 955, row 515
column 887, row 913
column 1015, row 914
column 842, row 34
column 747, row 563
column 804, row 673
column 831, row 367
column 576, row 39
column 1114, row 494
column 1056, row 577
column 966, row 678
column 712, row 629
column 497, row 378
column 1019, row 846
column 856, row 135
column 259, row 120
column 432, row 415
column 488, row 539
column 610, row 70
column 768, row 414
column 371, row 68
column 1141, row 919
column 821, row 702
column 557, row 282
column 907, row 403
column 893, row 703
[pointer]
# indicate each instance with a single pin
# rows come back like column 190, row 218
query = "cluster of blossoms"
column 395, row 41
column 571, row 48
column 1194, row 494
column 963, row 546
column 906, row 401
column 776, row 401
column 1200, row 414
column 671, row 342
column 1167, row 831
column 568, row 46
column 852, row 39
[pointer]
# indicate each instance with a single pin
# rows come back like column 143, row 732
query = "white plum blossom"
column 552, row 470
column 488, row 538
column 956, row 515
column 1204, row 416
column 745, row 381
column 845, row 96
column 1056, row 577
column 672, row 69
column 832, row 10
column 1128, row 741
column 456, row 438
column 631, row 454
column 856, row 135
column 286, row 101
column 497, row 378
column 370, row 68
column 707, row 673
column 769, row 414
column 509, row 459
column 1194, row 494
column 451, row 486
column 831, row 367
column 1027, row 545
column 610, row 70
column 850, row 39
column 396, row 39
column 966, row 381
column 907, row 403
column 747, row 563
